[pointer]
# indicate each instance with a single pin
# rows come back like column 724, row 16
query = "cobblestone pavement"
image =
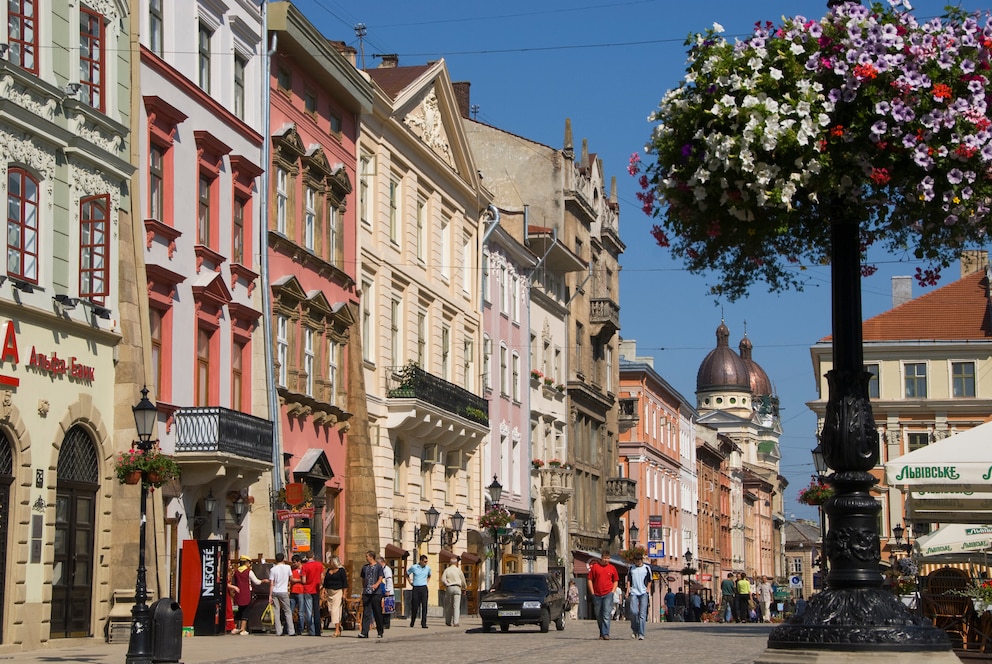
column 700, row 643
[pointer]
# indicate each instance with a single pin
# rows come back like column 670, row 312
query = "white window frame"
column 332, row 371
column 504, row 370
column 445, row 264
column 364, row 187
column 487, row 362
column 421, row 228
column 308, row 360
column 394, row 210
column 515, row 376
column 282, row 199
column 310, row 218
column 368, row 324
column 446, row 352
column 282, row 348
column 395, row 331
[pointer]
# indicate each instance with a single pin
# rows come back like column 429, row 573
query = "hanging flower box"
column 153, row 467
column 496, row 518
column 816, row 493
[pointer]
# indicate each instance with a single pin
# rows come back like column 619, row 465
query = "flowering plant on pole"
column 865, row 110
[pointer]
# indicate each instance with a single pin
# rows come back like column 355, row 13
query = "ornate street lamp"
column 457, row 523
column 495, row 491
column 426, row 533
column 820, row 463
column 140, row 644
column 633, row 531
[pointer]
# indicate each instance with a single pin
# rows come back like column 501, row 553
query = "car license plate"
column 508, row 613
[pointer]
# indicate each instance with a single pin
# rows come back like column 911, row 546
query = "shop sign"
column 42, row 362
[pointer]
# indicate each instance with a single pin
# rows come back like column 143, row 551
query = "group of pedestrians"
column 737, row 593
column 604, row 583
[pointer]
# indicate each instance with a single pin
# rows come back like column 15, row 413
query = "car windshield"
column 522, row 584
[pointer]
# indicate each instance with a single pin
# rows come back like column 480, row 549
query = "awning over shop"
column 446, row 556
column 468, row 557
column 393, row 551
column 581, row 560
column 313, row 465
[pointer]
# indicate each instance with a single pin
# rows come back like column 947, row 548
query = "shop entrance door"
column 75, row 511
column 6, row 480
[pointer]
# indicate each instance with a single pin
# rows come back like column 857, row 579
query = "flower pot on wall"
column 133, row 477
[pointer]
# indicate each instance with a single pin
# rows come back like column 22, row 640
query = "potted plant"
column 548, row 382
column 496, row 517
column 152, row 467
column 554, row 463
column 629, row 555
column 560, row 387
column 537, row 464
column 535, row 374
column 816, row 493
column 980, row 591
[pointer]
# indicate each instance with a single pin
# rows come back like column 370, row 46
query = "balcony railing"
column 214, row 429
column 557, row 484
column 628, row 413
column 412, row 382
column 621, row 490
column 605, row 313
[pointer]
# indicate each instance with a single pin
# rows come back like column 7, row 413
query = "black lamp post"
column 633, row 531
column 688, row 567
column 140, row 645
column 495, row 493
column 820, row 464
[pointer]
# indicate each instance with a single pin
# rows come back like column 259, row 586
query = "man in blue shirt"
column 419, row 574
column 638, row 592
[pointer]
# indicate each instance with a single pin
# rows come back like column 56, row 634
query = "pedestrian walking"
column 765, row 593
column 572, row 599
column 297, row 595
column 454, row 582
column 680, row 606
column 279, row 596
column 373, row 579
column 602, row 581
column 419, row 575
column 313, row 574
column 388, row 599
column 639, row 586
column 245, row 580
column 335, row 585
column 743, row 598
column 670, row 604
column 728, row 590
column 695, row 607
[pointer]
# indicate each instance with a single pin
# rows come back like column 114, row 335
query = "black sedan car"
column 524, row 599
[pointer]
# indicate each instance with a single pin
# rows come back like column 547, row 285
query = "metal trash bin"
column 167, row 631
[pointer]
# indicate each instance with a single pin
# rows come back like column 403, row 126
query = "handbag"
column 269, row 615
column 388, row 604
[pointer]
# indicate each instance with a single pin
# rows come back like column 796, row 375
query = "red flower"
column 942, row 91
column 880, row 175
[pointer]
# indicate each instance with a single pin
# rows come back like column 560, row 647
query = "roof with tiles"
column 957, row 311
column 393, row 80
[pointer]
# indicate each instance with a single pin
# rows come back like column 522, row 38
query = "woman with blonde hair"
column 335, row 584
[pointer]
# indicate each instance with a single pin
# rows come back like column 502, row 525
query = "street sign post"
column 656, row 549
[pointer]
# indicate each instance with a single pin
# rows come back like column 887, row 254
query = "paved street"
column 701, row 643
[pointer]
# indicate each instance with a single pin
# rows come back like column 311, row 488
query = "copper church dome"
column 722, row 368
column 760, row 384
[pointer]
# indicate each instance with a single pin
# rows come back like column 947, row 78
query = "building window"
column 237, row 380
column 155, row 29
column 485, row 277
column 155, row 324
column 504, row 290
column 310, row 101
column 91, row 58
column 504, row 370
column 608, row 383
column 963, row 379
column 332, row 372
column 203, row 55
column 487, row 363
column 515, row 377
column 446, row 352
column 282, row 199
column 917, row 439
column 797, row 566
column 202, row 368
column 309, row 218
column 515, row 298
column 203, row 211
column 282, row 348
column 94, row 248
column 239, row 86
column 334, row 233
column 238, row 231
column 872, row 381
column 421, row 228
column 335, row 123
column 467, row 263
column 284, row 79
column 22, row 33
column 394, row 218
column 156, row 183
column 468, row 360
column 421, row 339
column 399, row 461
column 22, row 225
column 367, row 351
column 445, row 247
column 916, row 380
column 394, row 332
column 308, row 357
column 365, row 175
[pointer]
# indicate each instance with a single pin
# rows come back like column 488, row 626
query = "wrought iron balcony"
column 628, row 413
column 215, row 429
column 605, row 313
column 412, row 382
column 620, row 490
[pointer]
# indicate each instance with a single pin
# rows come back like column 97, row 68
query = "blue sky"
column 606, row 65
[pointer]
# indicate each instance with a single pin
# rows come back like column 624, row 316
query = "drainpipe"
column 263, row 243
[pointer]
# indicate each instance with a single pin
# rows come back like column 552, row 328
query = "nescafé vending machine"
column 203, row 586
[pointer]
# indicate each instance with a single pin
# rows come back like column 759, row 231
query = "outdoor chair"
column 946, row 579
column 952, row 613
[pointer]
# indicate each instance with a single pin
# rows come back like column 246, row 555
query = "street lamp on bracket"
column 425, row 533
column 457, row 523
column 633, row 531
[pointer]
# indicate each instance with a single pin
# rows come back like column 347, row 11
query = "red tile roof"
column 393, row 80
column 957, row 311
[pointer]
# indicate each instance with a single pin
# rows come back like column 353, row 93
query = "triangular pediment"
column 289, row 287
column 287, row 140
column 340, row 180
column 211, row 286
column 426, row 122
column 316, row 159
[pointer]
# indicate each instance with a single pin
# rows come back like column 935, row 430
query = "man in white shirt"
column 279, row 594
column 388, row 600
column 638, row 592
column 765, row 592
column 454, row 582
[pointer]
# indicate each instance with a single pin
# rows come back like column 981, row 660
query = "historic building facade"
column 67, row 296
column 317, row 99
column 421, row 205
column 200, row 156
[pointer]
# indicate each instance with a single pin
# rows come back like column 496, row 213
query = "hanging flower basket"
column 816, row 493
column 631, row 554
column 496, row 518
column 152, row 467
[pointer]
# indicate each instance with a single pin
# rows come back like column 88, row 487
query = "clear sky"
column 606, row 65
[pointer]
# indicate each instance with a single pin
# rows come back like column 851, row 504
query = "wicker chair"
column 946, row 579
column 952, row 613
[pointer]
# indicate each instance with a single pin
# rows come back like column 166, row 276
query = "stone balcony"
column 604, row 315
column 621, row 492
column 557, row 484
column 628, row 415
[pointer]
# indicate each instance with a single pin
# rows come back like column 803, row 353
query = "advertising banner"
column 203, row 585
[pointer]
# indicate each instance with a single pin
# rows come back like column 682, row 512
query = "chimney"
column 973, row 260
column 389, row 61
column 345, row 50
column 569, row 148
column 902, row 290
column 462, row 96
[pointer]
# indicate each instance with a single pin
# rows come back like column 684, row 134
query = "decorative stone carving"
column 426, row 123
column 43, row 407
column 88, row 182
column 20, row 148
column 28, row 98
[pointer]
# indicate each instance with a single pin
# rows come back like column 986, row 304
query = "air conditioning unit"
column 432, row 454
column 453, row 460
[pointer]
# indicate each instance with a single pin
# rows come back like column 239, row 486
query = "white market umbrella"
column 949, row 507
column 962, row 462
column 954, row 538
